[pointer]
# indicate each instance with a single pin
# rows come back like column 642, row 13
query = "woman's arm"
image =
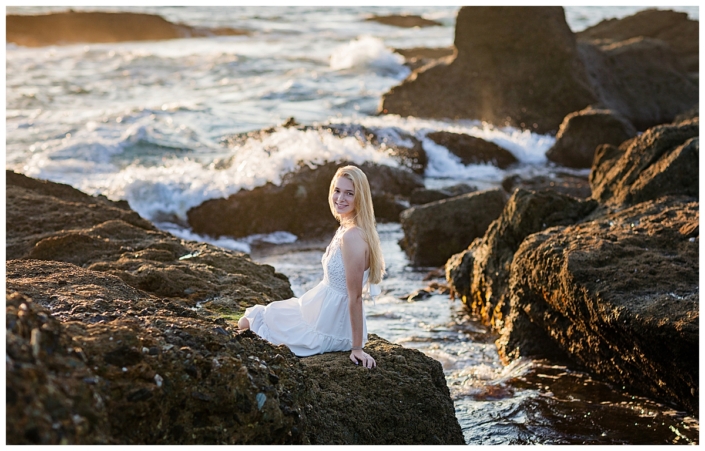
column 354, row 249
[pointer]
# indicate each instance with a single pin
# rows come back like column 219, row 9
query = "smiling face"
column 344, row 197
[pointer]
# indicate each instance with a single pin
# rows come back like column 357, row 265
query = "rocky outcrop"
column 672, row 27
column 51, row 221
column 515, row 66
column 300, row 204
column 105, row 347
column 619, row 295
column 560, row 182
column 522, row 66
column 435, row 231
column 473, row 150
column 480, row 274
column 404, row 21
column 662, row 161
column 582, row 131
column 639, row 78
column 73, row 27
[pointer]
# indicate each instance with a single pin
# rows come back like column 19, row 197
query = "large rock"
column 480, row 275
column 52, row 221
column 674, row 28
column 115, row 351
column 421, row 196
column 515, row 66
column 473, row 150
column 300, row 204
column 435, row 231
column 73, row 27
column 582, row 131
column 619, row 295
column 639, row 78
column 661, row 161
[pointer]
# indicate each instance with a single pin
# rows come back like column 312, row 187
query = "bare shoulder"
column 353, row 236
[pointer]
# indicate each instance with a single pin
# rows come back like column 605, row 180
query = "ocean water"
column 150, row 122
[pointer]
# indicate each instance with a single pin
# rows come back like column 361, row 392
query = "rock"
column 639, row 78
column 421, row 196
column 480, row 275
column 93, row 384
column 356, row 406
column 417, row 57
column 619, row 295
column 515, row 66
column 300, row 204
column 560, row 182
column 435, row 231
column 674, row 28
column 693, row 113
column 662, row 161
column 73, row 27
column 94, row 358
column 582, row 131
column 404, row 21
column 51, row 221
column 473, row 150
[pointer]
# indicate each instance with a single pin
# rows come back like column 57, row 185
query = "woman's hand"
column 358, row 355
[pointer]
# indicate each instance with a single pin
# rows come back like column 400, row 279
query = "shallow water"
column 527, row 402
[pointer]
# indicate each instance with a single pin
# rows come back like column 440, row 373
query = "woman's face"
column 344, row 197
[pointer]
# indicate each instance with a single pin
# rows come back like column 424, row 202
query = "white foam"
column 225, row 243
column 368, row 52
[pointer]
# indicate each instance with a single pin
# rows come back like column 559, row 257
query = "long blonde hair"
column 364, row 216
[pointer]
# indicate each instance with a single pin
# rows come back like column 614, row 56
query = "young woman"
column 330, row 316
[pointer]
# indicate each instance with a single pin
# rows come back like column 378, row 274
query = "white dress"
column 318, row 321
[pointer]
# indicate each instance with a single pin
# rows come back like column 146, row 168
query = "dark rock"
column 582, row 131
column 693, row 113
column 674, row 28
column 422, row 196
column 480, row 276
column 568, row 184
column 618, row 294
column 404, row 21
column 473, row 150
column 640, row 79
column 300, row 204
column 356, row 406
column 662, row 161
column 93, row 233
column 515, row 66
column 72, row 27
column 435, row 231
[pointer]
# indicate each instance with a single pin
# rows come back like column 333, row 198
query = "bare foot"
column 243, row 323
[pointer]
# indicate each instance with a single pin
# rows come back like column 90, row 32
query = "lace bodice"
column 333, row 268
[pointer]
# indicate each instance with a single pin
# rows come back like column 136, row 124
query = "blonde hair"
column 364, row 217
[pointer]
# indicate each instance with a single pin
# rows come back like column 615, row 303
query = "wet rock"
column 404, row 21
column 72, row 27
column 515, row 66
column 480, row 276
column 582, row 131
column 619, row 295
column 50, row 221
column 300, row 204
column 473, row 150
column 354, row 405
column 422, row 196
column 560, row 182
column 639, row 78
column 672, row 27
column 435, row 231
column 125, row 403
column 662, row 161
